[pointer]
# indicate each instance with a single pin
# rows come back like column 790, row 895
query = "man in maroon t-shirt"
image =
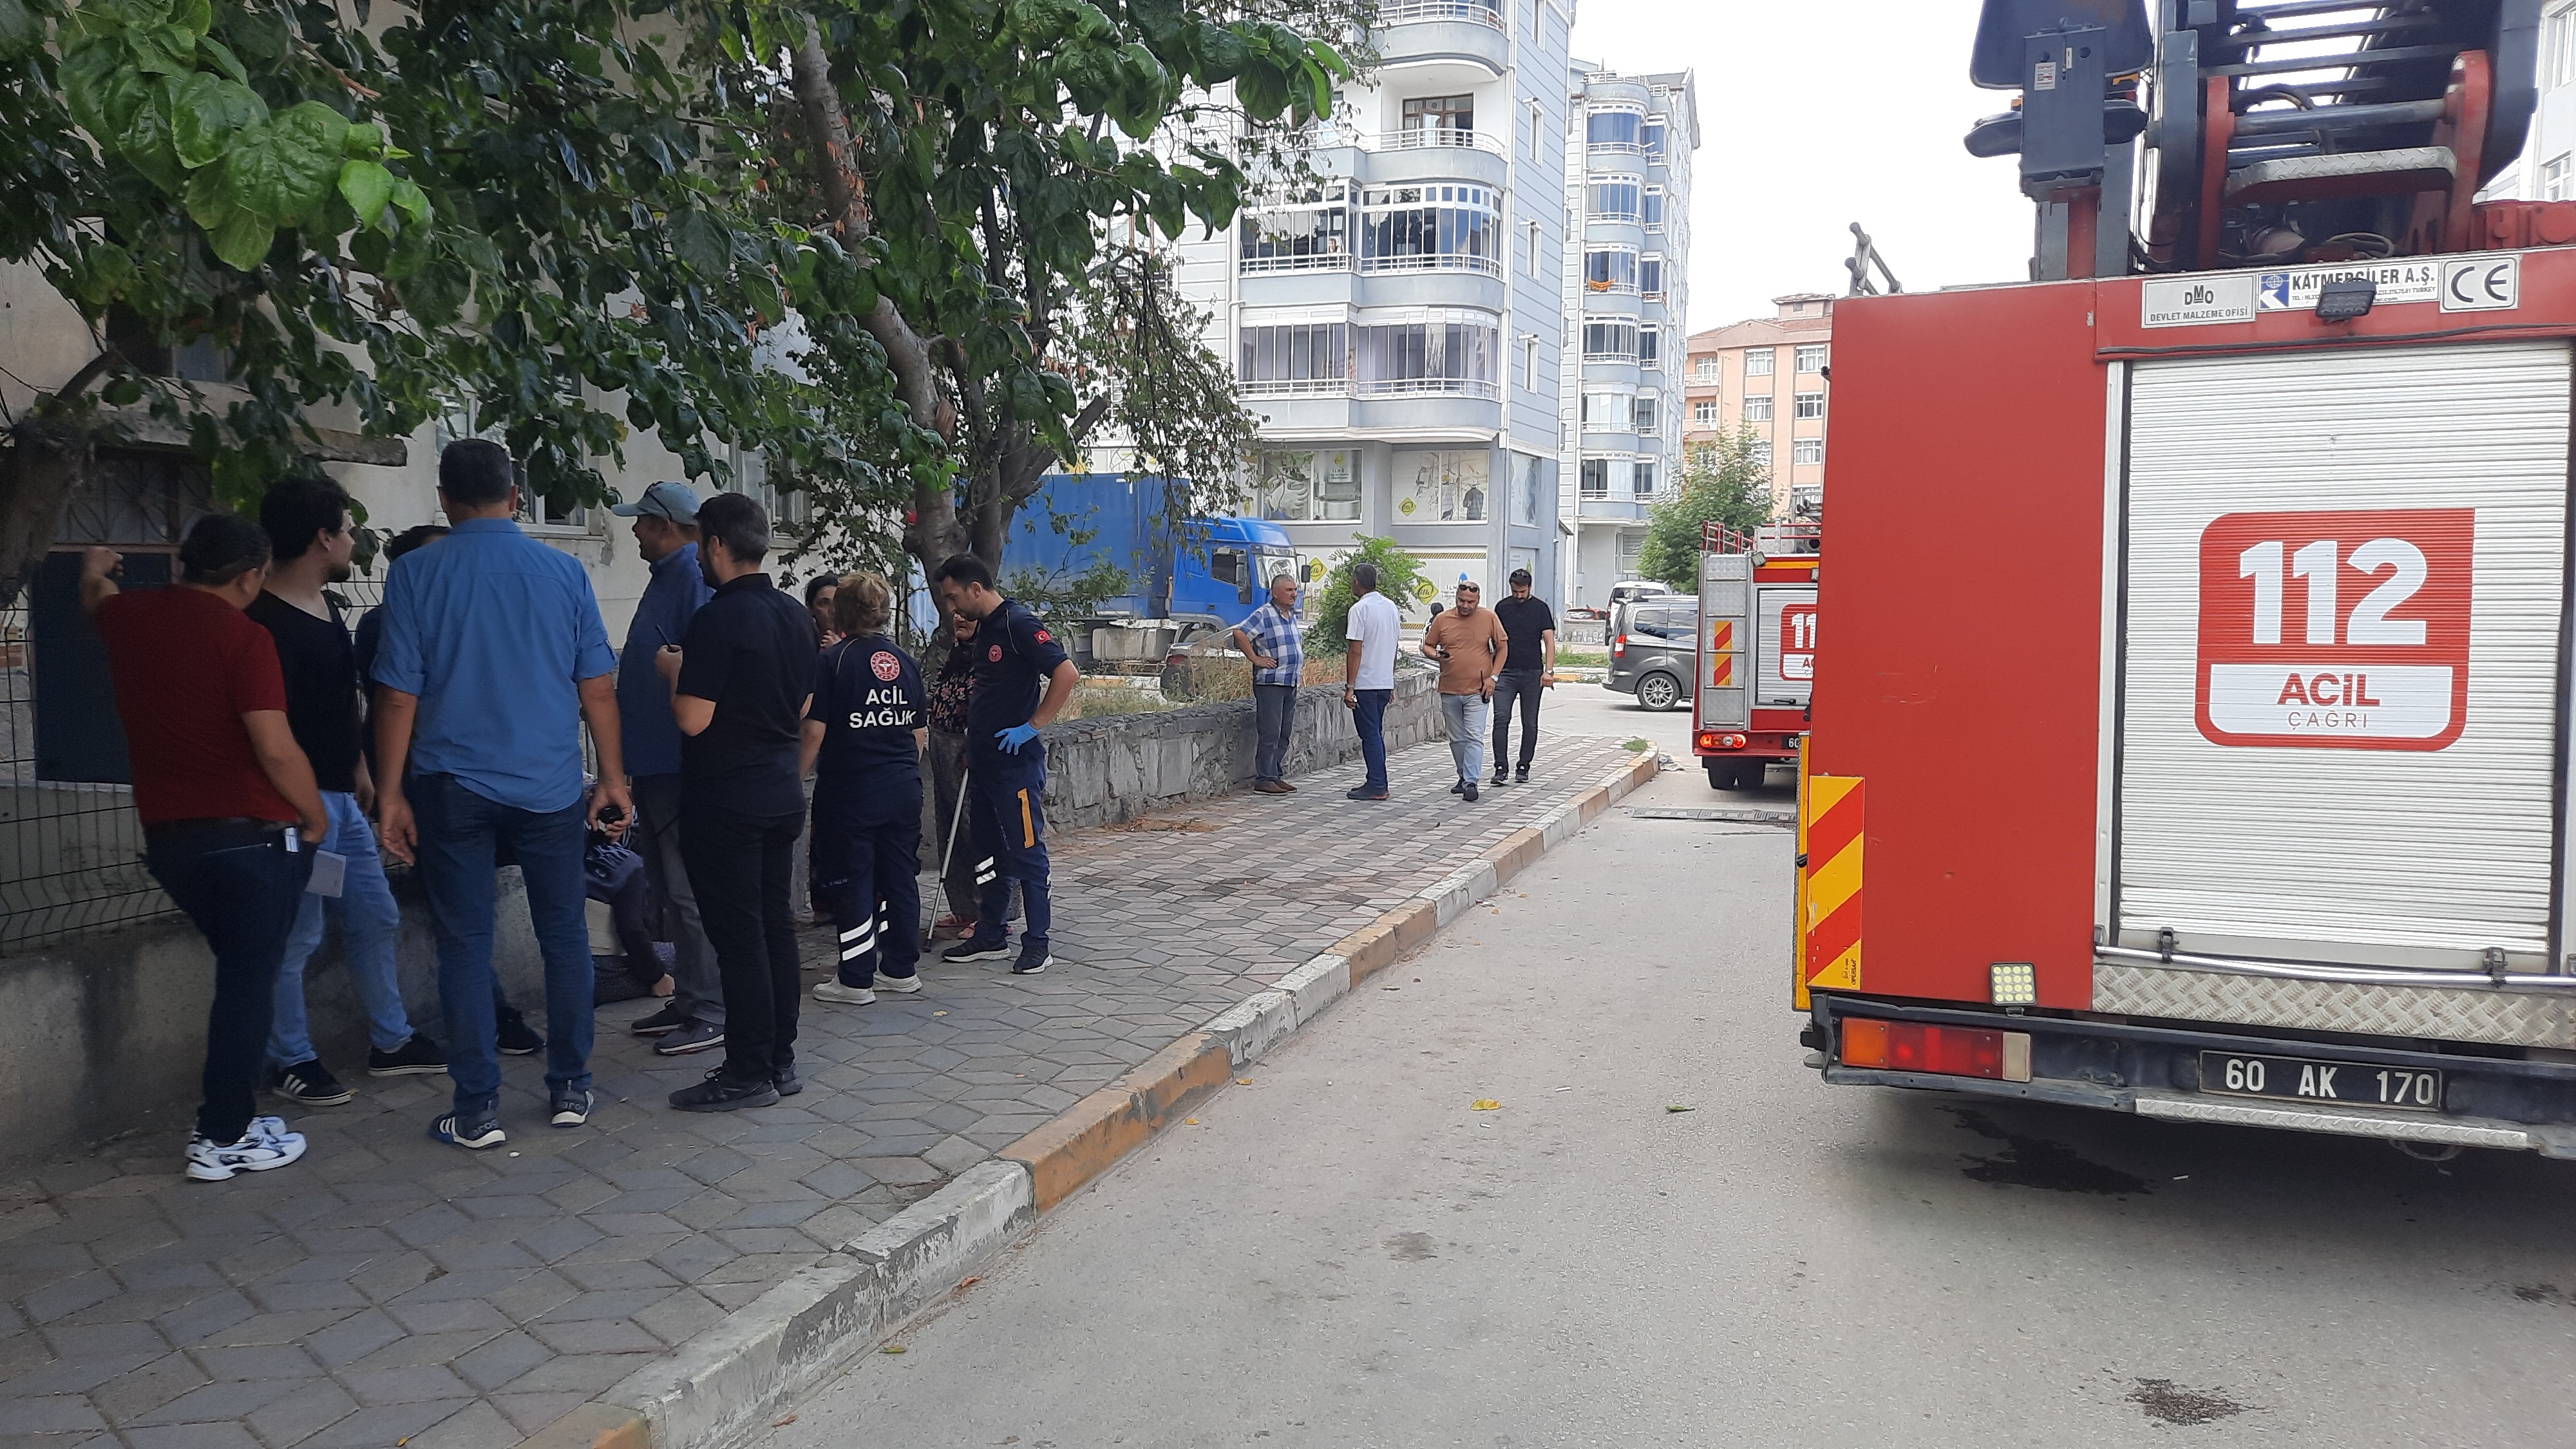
column 228, row 803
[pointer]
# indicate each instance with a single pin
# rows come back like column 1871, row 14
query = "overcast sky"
column 1814, row 115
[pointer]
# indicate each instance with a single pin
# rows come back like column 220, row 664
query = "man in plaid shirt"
column 1269, row 640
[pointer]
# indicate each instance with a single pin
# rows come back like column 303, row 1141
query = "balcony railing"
column 1296, row 387
column 1431, row 387
column 1420, row 138
column 1434, row 262
column 1618, row 148
column 1319, row 262
column 1405, row 11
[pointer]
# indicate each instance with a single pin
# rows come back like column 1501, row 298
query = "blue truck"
column 1174, row 569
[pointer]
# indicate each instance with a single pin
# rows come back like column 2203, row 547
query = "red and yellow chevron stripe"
column 1830, row 840
column 1721, row 653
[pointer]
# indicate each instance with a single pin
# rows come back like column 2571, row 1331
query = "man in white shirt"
column 1375, row 633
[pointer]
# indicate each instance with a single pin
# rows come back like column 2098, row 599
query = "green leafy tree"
column 1722, row 481
column 1399, row 577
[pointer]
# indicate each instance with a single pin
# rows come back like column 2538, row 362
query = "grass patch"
column 1096, row 701
column 1638, row 747
column 1583, row 658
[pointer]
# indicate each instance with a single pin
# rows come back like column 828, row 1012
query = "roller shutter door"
column 2339, row 674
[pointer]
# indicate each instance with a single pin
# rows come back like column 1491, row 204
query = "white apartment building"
column 1627, row 188
column 2546, row 170
column 1397, row 325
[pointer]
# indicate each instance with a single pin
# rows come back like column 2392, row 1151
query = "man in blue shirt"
column 1015, row 656
column 493, row 657
column 1269, row 640
column 666, row 534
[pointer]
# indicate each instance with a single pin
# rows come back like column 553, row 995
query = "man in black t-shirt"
column 740, row 681
column 1022, row 681
column 311, row 539
column 1529, row 666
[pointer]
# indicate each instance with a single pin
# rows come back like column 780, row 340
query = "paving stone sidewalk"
column 388, row 1288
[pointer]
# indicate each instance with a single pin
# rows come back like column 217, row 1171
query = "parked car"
column 1629, row 591
column 1654, row 650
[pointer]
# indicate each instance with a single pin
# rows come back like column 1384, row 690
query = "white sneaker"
column 833, row 990
column 264, row 1145
column 900, row 985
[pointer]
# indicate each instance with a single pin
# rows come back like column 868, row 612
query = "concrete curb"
column 774, row 1349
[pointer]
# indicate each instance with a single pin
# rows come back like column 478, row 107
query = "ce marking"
column 2481, row 284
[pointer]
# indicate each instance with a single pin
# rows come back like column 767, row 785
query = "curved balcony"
column 1420, row 155
column 1436, row 286
column 1468, row 31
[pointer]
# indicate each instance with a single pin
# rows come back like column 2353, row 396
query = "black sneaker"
column 571, row 1109
column 1471, row 792
column 477, row 1133
column 1522, row 774
column 1460, row 788
column 978, row 948
column 1502, row 777
column 1033, row 958
column 788, row 1083
column 719, row 1093
column 516, row 1038
column 1363, row 793
column 310, row 1083
column 669, row 1018
column 418, row 1057
column 697, row 1036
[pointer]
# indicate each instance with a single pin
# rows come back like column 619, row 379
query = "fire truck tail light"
column 1712, row 740
column 1948, row 1051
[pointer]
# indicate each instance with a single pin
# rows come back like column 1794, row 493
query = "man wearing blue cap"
column 666, row 534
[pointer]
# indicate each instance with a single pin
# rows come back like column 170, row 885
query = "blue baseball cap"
column 676, row 502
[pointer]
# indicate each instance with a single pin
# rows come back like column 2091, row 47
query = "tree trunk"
column 46, row 462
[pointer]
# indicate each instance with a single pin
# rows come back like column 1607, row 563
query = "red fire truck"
column 1757, row 648
column 2236, row 787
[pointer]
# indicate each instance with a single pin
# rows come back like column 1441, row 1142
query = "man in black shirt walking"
column 310, row 540
column 1529, row 667
column 740, row 680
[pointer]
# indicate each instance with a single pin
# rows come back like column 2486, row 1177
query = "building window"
column 1704, row 414
column 1653, row 212
column 1757, row 409
column 1652, row 137
column 1761, row 455
column 1613, row 198
column 1534, row 246
column 1809, row 405
column 1758, row 361
column 1305, row 357
column 1610, row 339
column 1807, row 451
column 1594, row 479
column 1442, row 113
column 1537, row 130
column 1650, row 276
column 1444, row 353
column 1650, row 346
column 1529, row 363
column 1610, row 271
column 1299, row 486
column 1297, row 236
column 1612, row 130
column 2554, row 175
column 1642, row 482
column 2558, row 49
column 1811, row 357
column 1430, row 228
column 1704, row 369
column 1632, row 546
column 1647, row 421
column 1608, row 412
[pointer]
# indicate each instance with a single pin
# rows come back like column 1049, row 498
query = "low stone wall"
column 1117, row 767
column 105, row 1034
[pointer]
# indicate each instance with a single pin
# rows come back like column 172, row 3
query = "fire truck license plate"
column 2305, row 1079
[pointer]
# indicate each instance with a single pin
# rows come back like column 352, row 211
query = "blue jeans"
column 1274, row 718
column 1369, row 718
column 370, row 924
column 240, row 885
column 1463, row 716
column 460, row 835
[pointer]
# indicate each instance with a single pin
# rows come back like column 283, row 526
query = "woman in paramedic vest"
column 863, row 732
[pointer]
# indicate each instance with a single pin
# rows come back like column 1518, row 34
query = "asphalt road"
column 1347, row 1252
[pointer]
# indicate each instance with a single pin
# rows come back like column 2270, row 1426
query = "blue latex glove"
column 1016, row 736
